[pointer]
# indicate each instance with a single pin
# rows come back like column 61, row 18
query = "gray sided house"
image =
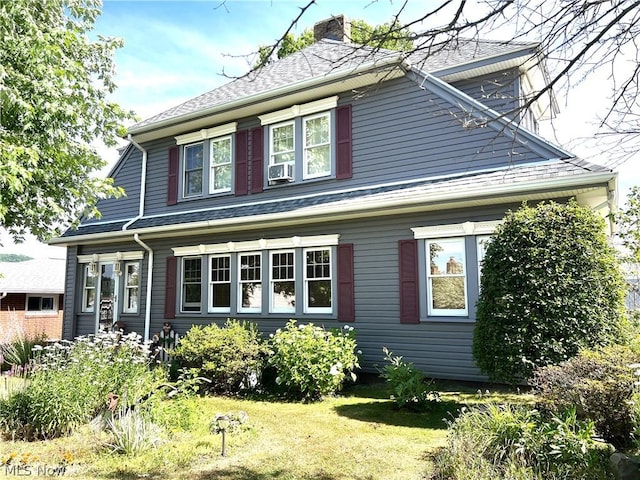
column 339, row 184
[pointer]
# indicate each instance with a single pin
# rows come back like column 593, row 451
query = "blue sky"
column 175, row 50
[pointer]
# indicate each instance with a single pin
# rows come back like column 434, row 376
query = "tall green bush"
column 230, row 357
column 551, row 285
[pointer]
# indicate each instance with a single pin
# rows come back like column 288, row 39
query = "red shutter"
column 257, row 160
column 346, row 292
column 170, row 288
column 242, row 163
column 172, row 177
column 343, row 142
column 409, row 304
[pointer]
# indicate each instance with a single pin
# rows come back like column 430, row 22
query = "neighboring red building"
column 31, row 297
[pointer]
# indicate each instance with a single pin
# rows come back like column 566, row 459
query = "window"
column 250, row 284
column 317, row 146
column 220, row 284
column 131, row 287
column 193, row 167
column 89, row 290
column 282, row 144
column 446, row 277
column 283, row 282
column 317, row 280
column 46, row 304
column 481, row 247
column 191, row 284
column 220, row 161
column 302, row 137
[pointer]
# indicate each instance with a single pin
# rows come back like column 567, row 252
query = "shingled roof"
column 326, row 57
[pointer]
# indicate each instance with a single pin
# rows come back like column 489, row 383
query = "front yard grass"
column 353, row 436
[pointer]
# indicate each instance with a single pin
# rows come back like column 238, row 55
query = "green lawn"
column 354, row 436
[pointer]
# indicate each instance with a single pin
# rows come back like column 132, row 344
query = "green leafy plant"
column 231, row 422
column 506, row 442
column 230, row 357
column 407, row 386
column 70, row 382
column 551, row 285
column 310, row 361
column 132, row 432
column 18, row 353
column 601, row 386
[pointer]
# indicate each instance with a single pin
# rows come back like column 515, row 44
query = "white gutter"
column 143, row 182
column 346, row 208
column 147, row 308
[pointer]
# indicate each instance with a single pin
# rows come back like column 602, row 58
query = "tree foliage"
column 628, row 221
column 388, row 35
column 54, row 82
column 551, row 285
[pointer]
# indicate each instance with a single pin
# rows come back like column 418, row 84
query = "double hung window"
column 191, row 284
column 220, row 161
column 283, row 282
column 250, row 283
column 446, row 277
column 220, row 283
column 131, row 287
column 193, row 169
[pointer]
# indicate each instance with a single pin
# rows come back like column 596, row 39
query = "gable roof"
column 42, row 275
column 330, row 62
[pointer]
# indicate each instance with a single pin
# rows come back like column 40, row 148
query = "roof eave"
column 532, row 190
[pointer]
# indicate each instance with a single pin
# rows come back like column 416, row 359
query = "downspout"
column 147, row 308
column 136, row 238
column 143, row 182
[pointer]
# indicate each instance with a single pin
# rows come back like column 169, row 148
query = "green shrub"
column 407, row 386
column 601, row 386
column 70, row 383
column 504, row 442
column 551, row 285
column 310, row 361
column 230, row 357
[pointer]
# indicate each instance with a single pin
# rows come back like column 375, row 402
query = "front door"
column 107, row 314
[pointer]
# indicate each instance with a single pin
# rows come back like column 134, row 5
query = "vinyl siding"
column 498, row 91
column 440, row 347
column 127, row 176
column 399, row 132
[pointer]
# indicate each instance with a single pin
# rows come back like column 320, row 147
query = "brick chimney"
column 334, row 28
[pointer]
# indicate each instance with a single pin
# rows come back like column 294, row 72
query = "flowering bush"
column 70, row 381
column 310, row 361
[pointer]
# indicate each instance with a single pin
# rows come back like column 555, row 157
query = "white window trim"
column 35, row 313
column 306, row 147
column 307, row 308
column 111, row 257
column 128, row 289
column 85, row 289
column 299, row 110
column 212, row 190
column 272, row 307
column 258, row 245
column 182, row 299
column 184, row 171
column 456, row 229
column 211, row 308
column 205, row 133
column 441, row 312
column 271, row 151
column 240, row 282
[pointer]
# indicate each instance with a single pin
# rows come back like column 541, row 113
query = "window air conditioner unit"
column 281, row 172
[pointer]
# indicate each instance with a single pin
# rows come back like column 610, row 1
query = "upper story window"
column 193, row 166
column 220, row 175
column 206, row 161
column 300, row 145
column 317, row 145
